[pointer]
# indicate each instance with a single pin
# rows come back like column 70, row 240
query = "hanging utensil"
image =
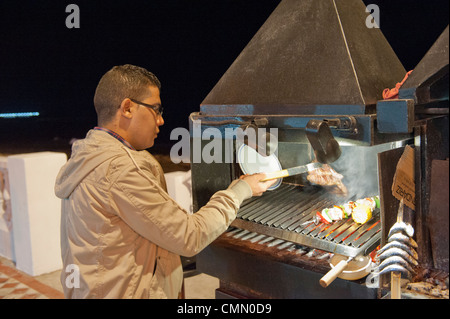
column 326, row 148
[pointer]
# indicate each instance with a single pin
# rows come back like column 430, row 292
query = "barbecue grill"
column 299, row 205
column 315, row 72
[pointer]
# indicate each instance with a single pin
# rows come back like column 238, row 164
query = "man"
column 120, row 231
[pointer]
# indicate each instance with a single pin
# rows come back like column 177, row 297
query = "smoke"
column 359, row 166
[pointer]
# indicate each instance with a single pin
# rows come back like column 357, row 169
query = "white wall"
column 36, row 211
column 179, row 187
column 6, row 234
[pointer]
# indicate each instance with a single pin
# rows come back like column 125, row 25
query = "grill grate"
column 282, row 212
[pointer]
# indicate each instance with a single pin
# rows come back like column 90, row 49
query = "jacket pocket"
column 168, row 276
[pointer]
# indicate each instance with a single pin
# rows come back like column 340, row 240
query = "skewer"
column 396, row 292
column 314, row 220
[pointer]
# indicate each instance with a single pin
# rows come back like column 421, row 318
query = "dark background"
column 188, row 44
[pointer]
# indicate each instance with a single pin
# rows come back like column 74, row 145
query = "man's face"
column 146, row 121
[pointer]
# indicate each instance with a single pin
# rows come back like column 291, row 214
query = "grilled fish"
column 395, row 268
column 399, row 227
column 401, row 246
column 404, row 239
column 397, row 252
column 395, row 260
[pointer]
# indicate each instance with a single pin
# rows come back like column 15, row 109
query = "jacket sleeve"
column 141, row 203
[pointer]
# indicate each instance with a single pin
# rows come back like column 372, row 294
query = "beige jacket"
column 121, row 233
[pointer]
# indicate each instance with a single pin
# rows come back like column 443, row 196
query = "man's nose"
column 160, row 121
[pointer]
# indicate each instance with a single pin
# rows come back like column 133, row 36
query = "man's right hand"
column 254, row 180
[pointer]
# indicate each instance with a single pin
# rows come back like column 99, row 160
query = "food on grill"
column 348, row 208
column 324, row 218
column 324, row 176
column 334, row 213
column 371, row 202
column 362, row 208
column 327, row 176
column 361, row 213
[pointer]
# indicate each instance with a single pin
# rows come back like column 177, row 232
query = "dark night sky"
column 188, row 44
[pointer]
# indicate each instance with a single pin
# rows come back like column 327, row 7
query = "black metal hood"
column 429, row 81
column 310, row 57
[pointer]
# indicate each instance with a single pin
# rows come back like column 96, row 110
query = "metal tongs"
column 292, row 171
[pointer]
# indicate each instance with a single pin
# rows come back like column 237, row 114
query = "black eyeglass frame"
column 158, row 109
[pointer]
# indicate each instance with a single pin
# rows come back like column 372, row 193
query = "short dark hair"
column 123, row 81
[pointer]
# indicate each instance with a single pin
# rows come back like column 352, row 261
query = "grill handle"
column 326, row 148
column 330, row 276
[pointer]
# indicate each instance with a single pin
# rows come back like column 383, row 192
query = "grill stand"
column 272, row 269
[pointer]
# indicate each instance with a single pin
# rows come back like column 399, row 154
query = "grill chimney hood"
column 309, row 57
column 429, row 81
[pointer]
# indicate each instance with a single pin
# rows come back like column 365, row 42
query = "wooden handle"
column 275, row 175
column 330, row 276
column 396, row 291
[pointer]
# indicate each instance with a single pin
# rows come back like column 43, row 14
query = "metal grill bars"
column 282, row 212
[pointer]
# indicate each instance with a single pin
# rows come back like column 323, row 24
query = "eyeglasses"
column 157, row 108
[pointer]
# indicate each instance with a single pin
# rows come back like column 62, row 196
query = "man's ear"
column 126, row 108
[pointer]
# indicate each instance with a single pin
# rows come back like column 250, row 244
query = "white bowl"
column 251, row 162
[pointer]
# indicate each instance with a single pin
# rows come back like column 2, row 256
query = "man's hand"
column 258, row 187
